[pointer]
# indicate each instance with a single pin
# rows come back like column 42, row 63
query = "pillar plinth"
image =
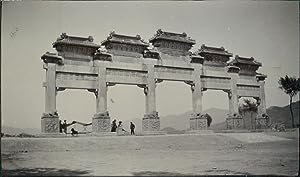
column 101, row 122
column 198, row 122
column 50, row 123
column 151, row 122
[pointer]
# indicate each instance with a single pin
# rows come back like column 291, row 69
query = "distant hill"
column 173, row 123
column 283, row 115
column 277, row 115
column 181, row 121
column 16, row 131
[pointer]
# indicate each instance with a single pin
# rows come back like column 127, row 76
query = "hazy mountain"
column 173, row 123
column 16, row 131
column 277, row 115
column 181, row 121
column 283, row 114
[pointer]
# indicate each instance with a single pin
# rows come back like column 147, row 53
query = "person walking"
column 132, row 127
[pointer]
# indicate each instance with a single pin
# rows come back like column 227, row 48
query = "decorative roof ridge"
column 159, row 33
column 113, row 33
column 121, row 37
column 237, row 57
column 78, row 38
column 243, row 58
column 203, row 46
column 213, row 50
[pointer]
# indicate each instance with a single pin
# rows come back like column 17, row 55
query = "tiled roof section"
column 172, row 36
column 75, row 40
column 52, row 58
column 244, row 60
column 213, row 50
column 124, row 39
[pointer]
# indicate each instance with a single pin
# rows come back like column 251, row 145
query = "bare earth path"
column 220, row 153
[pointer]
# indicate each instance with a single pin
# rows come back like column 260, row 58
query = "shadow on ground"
column 223, row 172
column 162, row 173
column 158, row 173
column 43, row 171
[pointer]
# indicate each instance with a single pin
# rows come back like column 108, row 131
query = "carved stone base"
column 235, row 122
column 198, row 122
column 151, row 122
column 101, row 123
column 50, row 124
column 262, row 122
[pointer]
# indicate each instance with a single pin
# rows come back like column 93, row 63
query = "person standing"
column 60, row 126
column 114, row 126
column 132, row 127
column 65, row 126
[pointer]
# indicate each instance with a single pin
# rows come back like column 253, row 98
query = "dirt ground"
column 217, row 154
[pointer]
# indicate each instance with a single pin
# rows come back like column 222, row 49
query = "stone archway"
column 82, row 64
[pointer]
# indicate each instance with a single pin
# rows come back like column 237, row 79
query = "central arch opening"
column 216, row 104
column 126, row 103
column 174, row 105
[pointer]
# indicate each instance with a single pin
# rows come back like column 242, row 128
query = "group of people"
column 119, row 128
column 63, row 127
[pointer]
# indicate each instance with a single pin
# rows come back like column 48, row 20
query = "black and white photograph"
column 150, row 88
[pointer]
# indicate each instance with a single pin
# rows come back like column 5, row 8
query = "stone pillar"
column 262, row 120
column 197, row 122
column 50, row 119
column 234, row 120
column 101, row 120
column 150, row 120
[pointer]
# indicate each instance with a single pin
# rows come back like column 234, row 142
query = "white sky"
column 268, row 31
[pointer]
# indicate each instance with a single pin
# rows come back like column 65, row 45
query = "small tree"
column 290, row 86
